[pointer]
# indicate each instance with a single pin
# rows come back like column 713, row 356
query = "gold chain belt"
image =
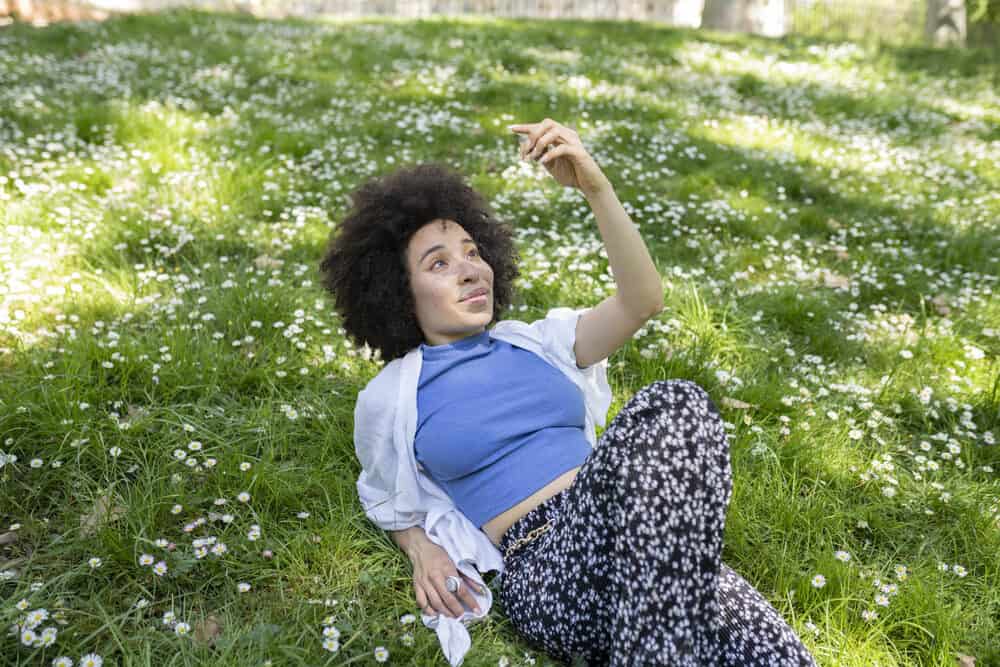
column 532, row 534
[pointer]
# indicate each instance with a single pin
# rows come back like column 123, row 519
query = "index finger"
column 522, row 128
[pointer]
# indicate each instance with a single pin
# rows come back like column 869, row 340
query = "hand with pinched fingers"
column 431, row 568
column 559, row 148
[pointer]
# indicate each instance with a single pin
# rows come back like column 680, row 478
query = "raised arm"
column 605, row 328
column 608, row 326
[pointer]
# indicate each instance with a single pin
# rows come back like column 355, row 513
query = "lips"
column 475, row 293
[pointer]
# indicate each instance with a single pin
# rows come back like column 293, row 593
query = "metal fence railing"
column 893, row 21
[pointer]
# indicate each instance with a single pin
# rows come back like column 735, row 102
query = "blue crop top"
column 495, row 423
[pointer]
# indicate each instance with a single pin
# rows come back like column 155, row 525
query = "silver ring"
column 452, row 583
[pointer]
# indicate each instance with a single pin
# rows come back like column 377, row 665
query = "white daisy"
column 34, row 618
column 48, row 637
column 28, row 637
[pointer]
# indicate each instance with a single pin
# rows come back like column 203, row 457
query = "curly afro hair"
column 365, row 267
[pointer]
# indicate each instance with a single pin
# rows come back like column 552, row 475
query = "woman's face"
column 445, row 267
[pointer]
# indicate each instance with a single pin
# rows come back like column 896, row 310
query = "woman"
column 609, row 550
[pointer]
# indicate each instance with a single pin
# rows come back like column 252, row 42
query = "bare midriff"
column 498, row 525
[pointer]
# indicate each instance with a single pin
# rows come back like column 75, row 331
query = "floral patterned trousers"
column 630, row 572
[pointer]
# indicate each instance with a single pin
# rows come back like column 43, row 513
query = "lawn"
column 177, row 471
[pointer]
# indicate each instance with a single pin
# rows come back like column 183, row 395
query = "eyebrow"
column 439, row 247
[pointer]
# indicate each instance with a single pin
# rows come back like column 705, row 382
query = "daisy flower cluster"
column 956, row 569
column 29, row 627
column 331, row 635
column 407, row 638
column 159, row 567
column 180, row 628
column 88, row 660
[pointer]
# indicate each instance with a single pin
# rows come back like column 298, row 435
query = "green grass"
column 823, row 214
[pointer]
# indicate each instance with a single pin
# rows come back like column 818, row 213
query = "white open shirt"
column 395, row 492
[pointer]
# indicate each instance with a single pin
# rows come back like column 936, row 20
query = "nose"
column 469, row 270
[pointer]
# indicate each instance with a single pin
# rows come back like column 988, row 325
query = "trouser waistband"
column 547, row 510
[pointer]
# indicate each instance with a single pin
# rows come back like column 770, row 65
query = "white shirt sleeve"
column 378, row 484
column 558, row 331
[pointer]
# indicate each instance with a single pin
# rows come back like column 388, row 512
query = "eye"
column 435, row 262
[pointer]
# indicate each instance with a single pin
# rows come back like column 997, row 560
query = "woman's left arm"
column 639, row 284
column 560, row 150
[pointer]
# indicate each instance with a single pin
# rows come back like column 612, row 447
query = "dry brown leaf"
column 941, row 305
column 836, row 280
column 735, row 403
column 101, row 512
column 10, row 564
column 966, row 660
column 137, row 412
column 265, row 261
column 208, row 630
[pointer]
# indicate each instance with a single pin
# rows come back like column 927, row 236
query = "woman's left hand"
column 561, row 151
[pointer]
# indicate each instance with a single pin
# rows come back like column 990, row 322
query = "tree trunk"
column 946, row 23
column 761, row 17
column 727, row 15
